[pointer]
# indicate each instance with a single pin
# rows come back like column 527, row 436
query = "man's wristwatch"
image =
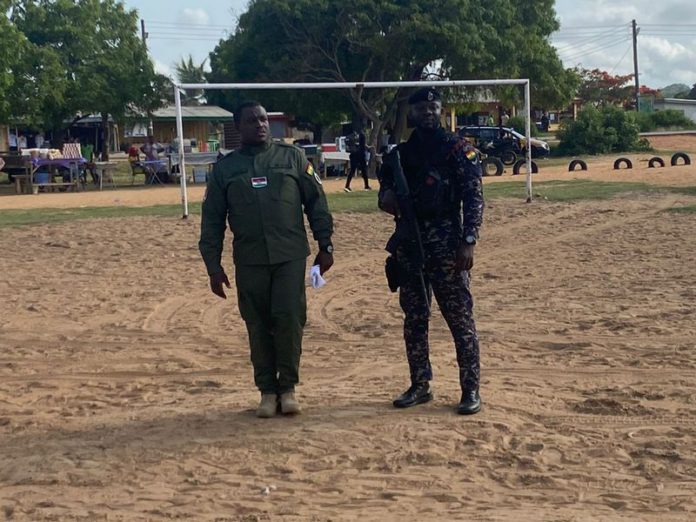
column 470, row 239
column 328, row 248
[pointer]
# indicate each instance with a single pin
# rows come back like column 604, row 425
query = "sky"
column 593, row 34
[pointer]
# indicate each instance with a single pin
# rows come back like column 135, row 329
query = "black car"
column 503, row 142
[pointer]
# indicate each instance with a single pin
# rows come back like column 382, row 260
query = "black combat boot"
column 470, row 403
column 418, row 393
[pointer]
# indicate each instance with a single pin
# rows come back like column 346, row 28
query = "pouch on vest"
column 432, row 198
column 393, row 271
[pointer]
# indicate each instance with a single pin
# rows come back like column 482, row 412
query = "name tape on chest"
column 259, row 182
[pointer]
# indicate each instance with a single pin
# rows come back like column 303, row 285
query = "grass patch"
column 576, row 190
column 689, row 209
column 362, row 201
column 10, row 218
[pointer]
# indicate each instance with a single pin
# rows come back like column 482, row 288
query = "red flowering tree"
column 600, row 88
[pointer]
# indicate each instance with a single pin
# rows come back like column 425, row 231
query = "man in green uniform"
column 261, row 190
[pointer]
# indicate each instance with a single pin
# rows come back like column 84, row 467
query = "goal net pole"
column 182, row 154
column 178, row 87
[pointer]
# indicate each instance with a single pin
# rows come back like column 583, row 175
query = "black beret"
column 424, row 94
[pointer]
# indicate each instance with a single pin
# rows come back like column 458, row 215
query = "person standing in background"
column 359, row 156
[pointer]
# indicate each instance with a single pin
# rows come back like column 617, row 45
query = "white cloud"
column 194, row 16
column 665, row 45
column 663, row 48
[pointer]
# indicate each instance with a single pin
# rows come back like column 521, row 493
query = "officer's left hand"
column 465, row 258
column 324, row 260
column 216, row 282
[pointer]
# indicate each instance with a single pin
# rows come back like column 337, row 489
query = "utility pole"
column 635, row 61
column 143, row 33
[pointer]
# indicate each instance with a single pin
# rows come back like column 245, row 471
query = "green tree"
column 12, row 44
column 31, row 83
column 692, row 93
column 231, row 61
column 383, row 40
column 103, row 66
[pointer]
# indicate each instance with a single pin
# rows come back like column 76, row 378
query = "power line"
column 667, row 33
column 582, row 27
column 189, row 24
column 668, row 25
column 585, row 52
column 187, row 30
column 592, row 41
column 187, row 38
column 567, row 43
column 186, row 33
column 621, row 59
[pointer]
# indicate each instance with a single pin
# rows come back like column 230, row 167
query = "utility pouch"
column 392, row 270
column 432, row 197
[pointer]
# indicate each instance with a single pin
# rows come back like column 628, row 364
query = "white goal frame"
column 179, row 87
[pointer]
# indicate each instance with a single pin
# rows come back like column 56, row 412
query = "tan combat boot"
column 268, row 406
column 288, row 403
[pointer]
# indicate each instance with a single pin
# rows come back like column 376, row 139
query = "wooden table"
column 71, row 164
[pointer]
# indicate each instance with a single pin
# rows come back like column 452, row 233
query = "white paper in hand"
column 315, row 277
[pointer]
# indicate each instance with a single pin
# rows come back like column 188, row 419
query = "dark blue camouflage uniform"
column 457, row 213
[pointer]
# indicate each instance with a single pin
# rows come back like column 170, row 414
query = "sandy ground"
column 126, row 389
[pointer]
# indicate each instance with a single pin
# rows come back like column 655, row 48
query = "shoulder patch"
column 462, row 146
column 309, row 170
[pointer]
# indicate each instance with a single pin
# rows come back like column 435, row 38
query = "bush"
column 517, row 123
column 666, row 120
column 600, row 131
column 671, row 119
column 644, row 121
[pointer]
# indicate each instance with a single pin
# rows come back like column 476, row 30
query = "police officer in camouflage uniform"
column 444, row 180
column 261, row 191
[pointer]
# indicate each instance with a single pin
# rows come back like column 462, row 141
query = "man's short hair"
column 240, row 108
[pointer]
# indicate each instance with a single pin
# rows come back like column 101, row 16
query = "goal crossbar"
column 179, row 87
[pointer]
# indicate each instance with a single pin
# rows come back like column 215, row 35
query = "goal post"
column 179, row 87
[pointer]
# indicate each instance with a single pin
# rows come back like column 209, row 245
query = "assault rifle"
column 407, row 230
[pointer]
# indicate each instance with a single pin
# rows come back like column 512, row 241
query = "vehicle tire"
column 508, row 157
column 575, row 163
column 680, row 155
column 618, row 162
column 656, row 160
column 523, row 163
column 491, row 163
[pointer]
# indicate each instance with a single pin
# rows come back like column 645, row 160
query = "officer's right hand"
column 389, row 203
column 216, row 282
